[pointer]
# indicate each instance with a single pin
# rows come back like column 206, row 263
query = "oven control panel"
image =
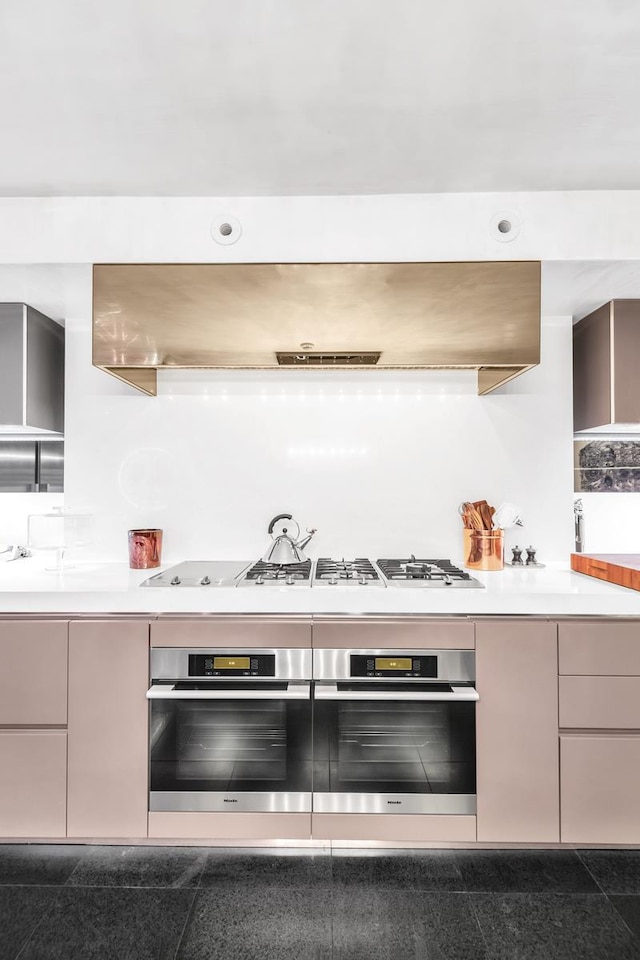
column 395, row 666
column 236, row 664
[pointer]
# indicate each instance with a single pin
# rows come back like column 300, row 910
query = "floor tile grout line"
column 33, row 932
column 196, row 891
column 590, row 872
column 479, row 924
column 186, row 922
column 633, row 933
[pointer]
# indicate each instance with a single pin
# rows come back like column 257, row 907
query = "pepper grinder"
column 516, row 559
column 531, row 557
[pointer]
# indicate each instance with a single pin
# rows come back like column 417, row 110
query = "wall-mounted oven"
column 230, row 730
column 394, row 731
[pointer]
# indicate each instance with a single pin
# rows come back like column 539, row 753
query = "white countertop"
column 102, row 588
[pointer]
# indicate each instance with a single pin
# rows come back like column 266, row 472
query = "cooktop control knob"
column 205, row 581
column 176, row 581
column 259, row 580
column 363, row 581
column 333, row 581
column 290, row 581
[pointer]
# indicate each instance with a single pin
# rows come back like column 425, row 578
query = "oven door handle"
column 167, row 691
column 330, row 691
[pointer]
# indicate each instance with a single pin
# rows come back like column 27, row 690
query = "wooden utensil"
column 471, row 517
column 486, row 515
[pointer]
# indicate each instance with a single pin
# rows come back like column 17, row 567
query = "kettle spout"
column 301, row 544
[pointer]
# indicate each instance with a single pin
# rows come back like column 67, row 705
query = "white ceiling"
column 258, row 97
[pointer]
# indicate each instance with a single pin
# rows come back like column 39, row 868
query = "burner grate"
column 423, row 570
column 357, row 569
column 277, row 571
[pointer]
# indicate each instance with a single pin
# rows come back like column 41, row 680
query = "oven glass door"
column 231, row 750
column 393, row 747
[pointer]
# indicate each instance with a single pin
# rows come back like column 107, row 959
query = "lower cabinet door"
column 600, row 789
column 108, row 724
column 33, row 785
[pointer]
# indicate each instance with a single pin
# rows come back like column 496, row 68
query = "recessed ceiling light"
column 505, row 226
column 226, row 230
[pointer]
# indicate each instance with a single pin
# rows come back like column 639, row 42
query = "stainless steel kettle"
column 285, row 548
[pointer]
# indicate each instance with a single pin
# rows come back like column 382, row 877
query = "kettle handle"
column 281, row 516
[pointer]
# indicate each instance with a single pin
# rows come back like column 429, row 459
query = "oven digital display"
column 369, row 665
column 386, row 663
column 227, row 664
column 231, row 663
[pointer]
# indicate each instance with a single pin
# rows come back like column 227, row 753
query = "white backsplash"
column 15, row 509
column 378, row 462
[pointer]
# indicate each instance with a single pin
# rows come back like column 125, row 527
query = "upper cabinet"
column 31, row 371
column 606, row 359
column 482, row 316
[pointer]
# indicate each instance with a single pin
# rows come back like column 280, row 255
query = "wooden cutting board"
column 620, row 568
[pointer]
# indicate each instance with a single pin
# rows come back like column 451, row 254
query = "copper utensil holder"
column 145, row 549
column 483, row 549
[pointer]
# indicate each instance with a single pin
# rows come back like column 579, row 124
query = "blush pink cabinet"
column 410, row 633
column 33, row 672
column 33, row 738
column 517, row 731
column 33, row 785
column 600, row 794
column 231, row 632
column 108, row 723
column 599, row 685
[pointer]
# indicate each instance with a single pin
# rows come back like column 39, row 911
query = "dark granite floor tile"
column 616, row 871
column 259, row 923
column 21, row 910
column 431, row 870
column 38, row 863
column 139, row 867
column 524, row 871
column 268, row 868
column 553, row 927
column 111, row 924
column 408, row 925
column 629, row 909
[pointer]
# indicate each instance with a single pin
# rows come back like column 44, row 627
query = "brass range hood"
column 483, row 316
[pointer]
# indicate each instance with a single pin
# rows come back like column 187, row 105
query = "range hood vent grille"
column 328, row 359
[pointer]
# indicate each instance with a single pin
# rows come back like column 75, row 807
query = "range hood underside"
column 482, row 316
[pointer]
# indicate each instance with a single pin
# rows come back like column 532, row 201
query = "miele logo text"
column 229, row 801
column 399, row 802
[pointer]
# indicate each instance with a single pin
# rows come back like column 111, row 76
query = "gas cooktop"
column 323, row 573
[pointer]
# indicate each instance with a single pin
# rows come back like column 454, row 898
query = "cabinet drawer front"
column 402, row 828
column 230, row 826
column 601, row 703
column 33, row 785
column 231, row 633
column 33, row 672
column 394, row 634
column 599, row 649
column 600, row 786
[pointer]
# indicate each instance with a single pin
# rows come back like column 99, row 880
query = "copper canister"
column 145, row 549
column 483, row 549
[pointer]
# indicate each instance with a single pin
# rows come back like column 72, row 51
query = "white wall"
column 377, row 461
column 15, row 509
